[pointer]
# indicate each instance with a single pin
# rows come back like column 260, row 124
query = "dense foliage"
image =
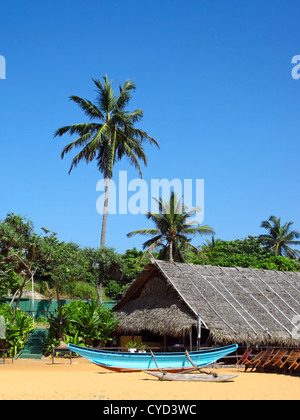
column 83, row 323
column 65, row 270
column 243, row 253
column 17, row 328
column 59, row 269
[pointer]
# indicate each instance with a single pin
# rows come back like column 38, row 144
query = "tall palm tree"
column 108, row 136
column 174, row 230
column 280, row 237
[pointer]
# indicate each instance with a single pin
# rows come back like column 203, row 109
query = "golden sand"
column 81, row 380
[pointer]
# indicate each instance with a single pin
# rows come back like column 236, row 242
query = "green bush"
column 17, row 331
column 245, row 253
column 83, row 323
column 80, row 290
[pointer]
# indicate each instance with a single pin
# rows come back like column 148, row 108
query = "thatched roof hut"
column 243, row 305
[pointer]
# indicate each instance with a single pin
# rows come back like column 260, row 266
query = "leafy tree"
column 131, row 267
column 20, row 249
column 132, row 264
column 280, row 238
column 9, row 280
column 247, row 252
column 63, row 263
column 105, row 266
column 174, row 230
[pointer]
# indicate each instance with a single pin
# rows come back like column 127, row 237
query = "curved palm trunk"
column 278, row 249
column 99, row 285
column 105, row 212
column 171, row 251
column 108, row 176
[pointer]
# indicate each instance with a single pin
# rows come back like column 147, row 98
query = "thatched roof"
column 241, row 305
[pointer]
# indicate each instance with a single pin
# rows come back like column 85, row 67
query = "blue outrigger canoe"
column 133, row 362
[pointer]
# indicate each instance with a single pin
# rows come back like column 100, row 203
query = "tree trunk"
column 278, row 249
column 105, row 212
column 60, row 312
column 103, row 240
column 171, row 251
column 99, row 286
column 13, row 298
column 19, row 298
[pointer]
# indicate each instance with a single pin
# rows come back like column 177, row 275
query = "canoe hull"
column 134, row 362
column 129, row 370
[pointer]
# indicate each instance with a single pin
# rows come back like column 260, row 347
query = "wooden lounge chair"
column 289, row 361
column 265, row 358
column 244, row 357
column 292, row 361
column 297, row 367
column 273, row 360
column 251, row 363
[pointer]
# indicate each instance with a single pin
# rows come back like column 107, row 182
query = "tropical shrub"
column 17, row 330
column 83, row 323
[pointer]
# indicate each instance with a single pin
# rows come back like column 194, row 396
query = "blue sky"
column 214, row 81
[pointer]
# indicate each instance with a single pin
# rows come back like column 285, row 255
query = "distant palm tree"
column 174, row 230
column 280, row 237
column 211, row 244
column 110, row 134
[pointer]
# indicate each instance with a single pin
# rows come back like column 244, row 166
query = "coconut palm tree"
column 211, row 244
column 108, row 136
column 280, row 237
column 174, row 230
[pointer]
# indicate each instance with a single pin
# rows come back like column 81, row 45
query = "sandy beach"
column 81, row 380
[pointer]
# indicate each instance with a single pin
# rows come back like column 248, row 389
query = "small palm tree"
column 211, row 244
column 280, row 237
column 108, row 136
column 174, row 230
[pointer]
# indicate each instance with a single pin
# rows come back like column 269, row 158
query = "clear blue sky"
column 214, row 81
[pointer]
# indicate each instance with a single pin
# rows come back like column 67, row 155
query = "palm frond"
column 143, row 232
column 125, row 94
column 80, row 129
column 88, row 107
column 202, row 230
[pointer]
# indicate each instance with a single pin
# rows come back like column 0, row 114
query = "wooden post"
column 165, row 343
column 198, row 332
column 191, row 338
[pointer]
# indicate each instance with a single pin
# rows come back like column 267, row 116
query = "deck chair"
column 251, row 363
column 289, row 361
column 297, row 367
column 244, row 357
column 292, row 360
column 272, row 361
column 265, row 358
